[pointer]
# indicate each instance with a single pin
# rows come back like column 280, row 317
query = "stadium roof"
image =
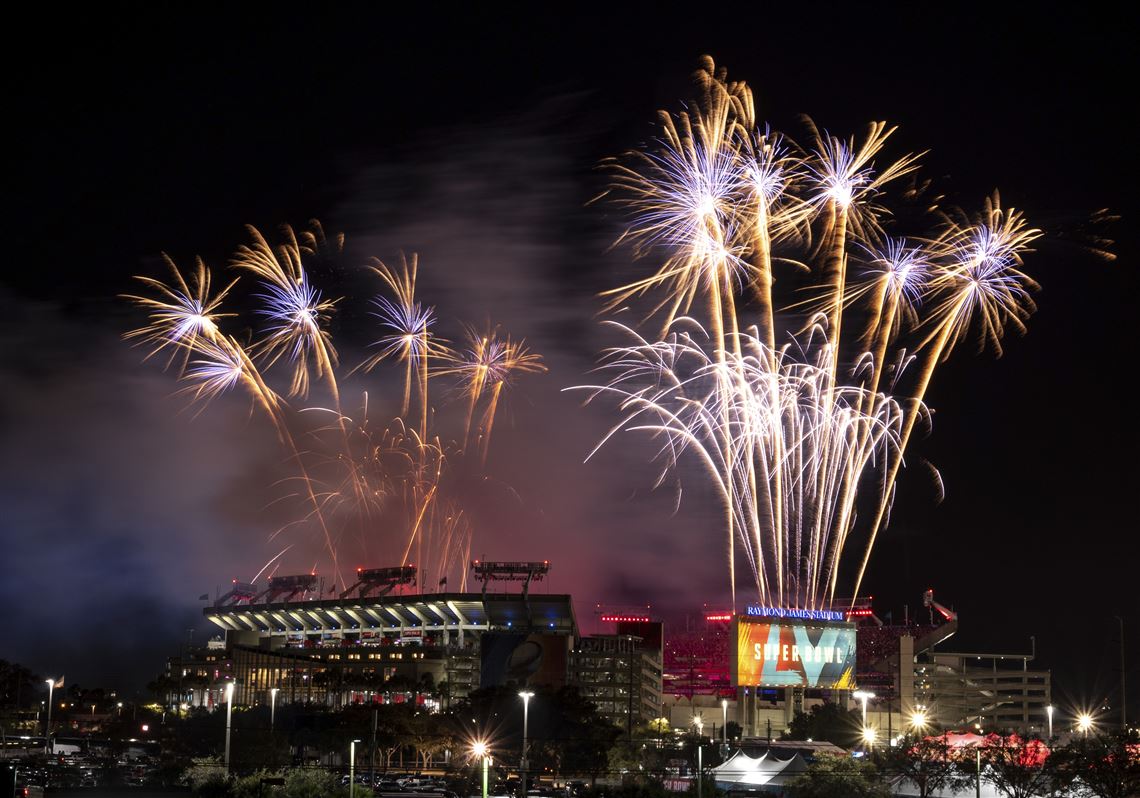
column 547, row 612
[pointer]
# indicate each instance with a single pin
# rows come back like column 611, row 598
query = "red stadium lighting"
column 726, row 616
column 625, row 619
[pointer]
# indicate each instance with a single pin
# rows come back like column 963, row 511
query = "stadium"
column 383, row 640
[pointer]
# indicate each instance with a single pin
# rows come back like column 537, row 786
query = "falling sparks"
column 789, row 413
column 400, row 488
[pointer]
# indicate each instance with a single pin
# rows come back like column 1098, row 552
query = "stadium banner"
column 523, row 659
column 794, row 654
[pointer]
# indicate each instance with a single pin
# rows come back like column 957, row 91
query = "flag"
column 204, row 597
column 59, row 684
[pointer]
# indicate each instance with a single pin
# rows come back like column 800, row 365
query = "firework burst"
column 798, row 420
column 397, row 488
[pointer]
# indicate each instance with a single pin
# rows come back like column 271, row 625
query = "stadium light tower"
column 229, row 712
column 526, row 696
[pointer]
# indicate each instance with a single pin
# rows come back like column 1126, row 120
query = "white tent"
column 743, row 771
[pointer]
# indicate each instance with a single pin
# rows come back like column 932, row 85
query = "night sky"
column 474, row 140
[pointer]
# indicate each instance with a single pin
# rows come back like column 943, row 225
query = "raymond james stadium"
column 382, row 640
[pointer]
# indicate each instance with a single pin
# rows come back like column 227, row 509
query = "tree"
column 929, row 763
column 17, row 685
column 208, row 779
column 839, row 777
column 312, row 783
column 429, row 735
column 584, row 737
column 1015, row 767
column 827, row 722
column 1104, row 766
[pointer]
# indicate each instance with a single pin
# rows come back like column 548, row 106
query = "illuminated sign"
column 782, row 654
column 754, row 611
column 625, row 619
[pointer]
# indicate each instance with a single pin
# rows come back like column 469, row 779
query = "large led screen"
column 789, row 654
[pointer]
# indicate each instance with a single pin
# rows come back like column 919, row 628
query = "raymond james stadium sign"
column 756, row 611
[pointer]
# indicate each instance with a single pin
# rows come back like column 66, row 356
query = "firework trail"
column 409, row 337
column 792, row 413
column 398, row 486
column 485, row 365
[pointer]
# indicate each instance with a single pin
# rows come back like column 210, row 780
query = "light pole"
column 47, row 721
column 352, row 769
column 272, row 707
column 700, row 763
column 229, row 710
column 1084, row 723
column 978, row 776
column 1123, row 698
column 862, row 696
column 724, row 721
column 479, row 749
column 1049, row 717
column 526, row 696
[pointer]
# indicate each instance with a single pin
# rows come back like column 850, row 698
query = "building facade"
column 621, row 676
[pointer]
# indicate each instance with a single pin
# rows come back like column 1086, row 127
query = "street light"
column 352, row 768
column 272, row 707
column 1084, row 723
column 700, row 763
column 918, row 720
column 47, row 721
column 526, row 696
column 479, row 749
column 868, row 737
column 1049, row 716
column 724, row 720
column 862, row 696
column 229, row 710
